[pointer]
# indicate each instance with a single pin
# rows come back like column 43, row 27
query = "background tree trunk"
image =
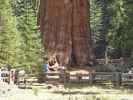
column 65, row 30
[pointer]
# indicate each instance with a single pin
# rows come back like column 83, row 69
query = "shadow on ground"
column 75, row 92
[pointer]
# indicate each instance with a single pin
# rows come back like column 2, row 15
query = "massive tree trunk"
column 65, row 30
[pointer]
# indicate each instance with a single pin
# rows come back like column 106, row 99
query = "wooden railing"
column 115, row 78
column 113, row 61
column 127, row 78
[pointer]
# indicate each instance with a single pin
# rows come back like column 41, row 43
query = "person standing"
column 12, row 76
column 0, row 76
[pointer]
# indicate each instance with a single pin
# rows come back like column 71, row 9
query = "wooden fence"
column 127, row 78
column 112, row 61
column 115, row 78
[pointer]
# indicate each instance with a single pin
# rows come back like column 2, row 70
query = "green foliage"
column 111, row 21
column 30, row 42
column 8, row 34
column 95, row 19
column 120, row 36
column 100, row 23
column 20, row 42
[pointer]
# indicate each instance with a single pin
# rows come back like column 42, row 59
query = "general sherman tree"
column 66, row 31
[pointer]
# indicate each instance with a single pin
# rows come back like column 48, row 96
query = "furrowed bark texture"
column 65, row 30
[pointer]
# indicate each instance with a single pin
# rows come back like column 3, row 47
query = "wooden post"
column 79, row 77
column 44, row 77
column 117, row 78
column 62, row 76
column 91, row 78
column 67, row 77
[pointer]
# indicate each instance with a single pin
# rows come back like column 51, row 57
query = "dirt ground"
column 65, row 92
column 80, row 70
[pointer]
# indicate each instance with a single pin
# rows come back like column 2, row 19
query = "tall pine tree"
column 30, row 41
column 8, row 34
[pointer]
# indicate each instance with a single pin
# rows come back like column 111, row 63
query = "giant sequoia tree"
column 65, row 30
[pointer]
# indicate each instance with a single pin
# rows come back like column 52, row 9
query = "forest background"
column 21, row 42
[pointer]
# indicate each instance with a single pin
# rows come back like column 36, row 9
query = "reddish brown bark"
column 65, row 29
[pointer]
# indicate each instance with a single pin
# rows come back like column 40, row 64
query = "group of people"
column 10, row 75
column 52, row 65
column 7, row 75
